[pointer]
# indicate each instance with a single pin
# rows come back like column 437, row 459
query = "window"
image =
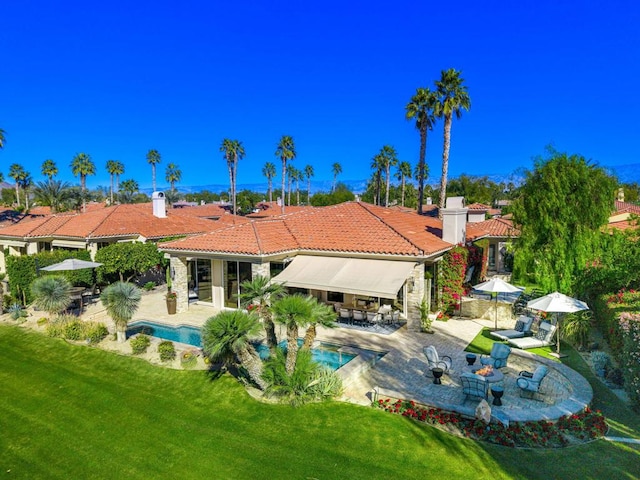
column 234, row 274
column 275, row 268
column 492, row 257
column 335, row 297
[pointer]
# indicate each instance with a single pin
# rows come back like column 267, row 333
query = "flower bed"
column 580, row 427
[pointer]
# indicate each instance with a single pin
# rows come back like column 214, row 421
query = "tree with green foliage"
column 285, row 151
column 258, row 294
column 173, row 174
column 228, row 335
column 308, row 173
column 25, row 181
column 51, row 293
column 49, row 169
column 404, row 172
column 321, row 314
column 128, row 190
column 269, row 171
column 82, row 165
column 336, row 169
column 291, row 174
column 53, row 193
column 113, row 167
column 121, row 300
column 563, row 204
column 341, row 194
column 293, row 311
column 153, row 158
column 127, row 259
column 2, row 138
column 377, row 164
column 389, row 159
column 476, row 189
column 16, row 171
column 453, row 97
column 421, row 107
column 233, row 152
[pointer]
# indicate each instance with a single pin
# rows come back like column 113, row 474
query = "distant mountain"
column 627, row 173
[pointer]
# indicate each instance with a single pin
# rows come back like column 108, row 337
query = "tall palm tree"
column 153, row 158
column 377, row 164
column 112, row 169
column 321, row 314
column 16, row 172
column 118, row 169
column 260, row 293
column 298, row 176
column 128, row 191
column 404, row 172
column 121, row 300
column 49, row 169
column 52, row 193
column 453, row 97
column 2, row 139
column 269, row 171
column 82, row 165
column 389, row 159
column 293, row 311
column 233, row 152
column 336, row 169
column 228, row 335
column 308, row 172
column 291, row 173
column 173, row 174
column 285, row 151
column 25, row 181
column 421, row 108
column 52, row 293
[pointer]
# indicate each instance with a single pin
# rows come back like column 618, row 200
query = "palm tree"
column 336, row 169
column 173, row 174
column 112, row 168
column 153, row 158
column 260, row 293
column 389, row 159
column 322, row 314
column 16, row 172
column 269, row 171
column 291, row 173
column 25, row 181
column 82, row 165
column 51, row 293
column 129, row 188
column 49, row 169
column 293, row 311
column 2, row 139
column 421, row 108
column 233, row 152
column 404, row 172
column 377, row 164
column 285, row 151
column 228, row 335
column 121, row 300
column 297, row 177
column 453, row 97
column 52, row 193
column 118, row 169
column 308, row 172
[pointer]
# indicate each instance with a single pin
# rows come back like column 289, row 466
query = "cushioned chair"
column 359, row 317
column 520, row 329
column 436, row 361
column 542, row 338
column 345, row 315
column 373, row 318
column 474, row 385
column 498, row 357
column 529, row 383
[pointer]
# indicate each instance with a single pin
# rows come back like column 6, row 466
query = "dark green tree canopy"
column 127, row 260
column 561, row 208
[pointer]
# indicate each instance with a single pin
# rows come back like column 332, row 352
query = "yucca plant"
column 51, row 293
column 121, row 299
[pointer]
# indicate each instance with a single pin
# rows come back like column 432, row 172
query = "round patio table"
column 496, row 375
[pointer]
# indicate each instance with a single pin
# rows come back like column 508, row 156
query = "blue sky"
column 114, row 79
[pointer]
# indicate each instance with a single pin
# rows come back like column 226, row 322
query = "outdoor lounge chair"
column 435, row 361
column 498, row 356
column 529, row 383
column 474, row 385
column 543, row 338
column 521, row 329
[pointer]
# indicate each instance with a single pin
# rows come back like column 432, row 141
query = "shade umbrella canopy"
column 557, row 302
column 496, row 285
column 71, row 264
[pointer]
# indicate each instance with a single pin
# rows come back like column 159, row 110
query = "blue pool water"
column 327, row 354
column 181, row 333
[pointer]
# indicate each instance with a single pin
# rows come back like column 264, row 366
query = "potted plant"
column 171, row 297
column 425, row 321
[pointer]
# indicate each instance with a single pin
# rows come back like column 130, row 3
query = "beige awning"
column 375, row 278
column 69, row 244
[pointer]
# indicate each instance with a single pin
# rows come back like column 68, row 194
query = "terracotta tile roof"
column 622, row 225
column 478, row 206
column 209, row 210
column 9, row 216
column 272, row 209
column 626, row 207
column 351, row 227
column 498, row 227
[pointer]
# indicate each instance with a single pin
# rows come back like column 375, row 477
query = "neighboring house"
column 343, row 254
column 623, row 216
column 500, row 231
column 102, row 226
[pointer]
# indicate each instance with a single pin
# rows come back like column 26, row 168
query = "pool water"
column 181, row 333
column 327, row 354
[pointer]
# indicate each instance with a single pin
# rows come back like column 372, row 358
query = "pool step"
column 364, row 360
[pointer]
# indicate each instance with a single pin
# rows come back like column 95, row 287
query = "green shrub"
column 188, row 358
column 95, row 332
column 54, row 329
column 73, row 330
column 18, row 313
column 42, row 321
column 139, row 344
column 167, row 350
column 149, row 286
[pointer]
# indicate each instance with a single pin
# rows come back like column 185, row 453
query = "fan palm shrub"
column 51, row 293
column 121, row 299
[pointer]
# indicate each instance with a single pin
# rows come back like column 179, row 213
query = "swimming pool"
column 327, row 354
column 181, row 333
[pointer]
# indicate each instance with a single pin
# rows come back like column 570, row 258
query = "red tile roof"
column 348, row 227
column 478, row 206
column 626, row 207
column 498, row 227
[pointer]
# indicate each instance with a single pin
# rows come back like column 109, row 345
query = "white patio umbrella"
column 557, row 302
column 71, row 264
column 496, row 285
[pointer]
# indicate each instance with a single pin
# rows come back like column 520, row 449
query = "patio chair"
column 436, row 361
column 396, row 317
column 520, row 329
column 474, row 385
column 498, row 356
column 373, row 318
column 359, row 317
column 529, row 383
column 345, row 315
column 542, row 338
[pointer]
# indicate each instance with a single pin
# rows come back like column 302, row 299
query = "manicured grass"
column 483, row 342
column 71, row 411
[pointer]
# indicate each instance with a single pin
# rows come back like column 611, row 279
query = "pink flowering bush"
column 586, row 425
column 453, row 268
column 630, row 361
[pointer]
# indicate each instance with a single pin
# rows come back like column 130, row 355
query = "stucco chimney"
column 621, row 194
column 159, row 208
column 454, row 221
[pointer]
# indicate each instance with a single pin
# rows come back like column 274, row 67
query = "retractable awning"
column 375, row 278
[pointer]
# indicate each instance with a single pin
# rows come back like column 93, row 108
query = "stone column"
column 180, row 285
column 414, row 297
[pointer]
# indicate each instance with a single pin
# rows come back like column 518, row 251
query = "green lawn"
column 73, row 412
